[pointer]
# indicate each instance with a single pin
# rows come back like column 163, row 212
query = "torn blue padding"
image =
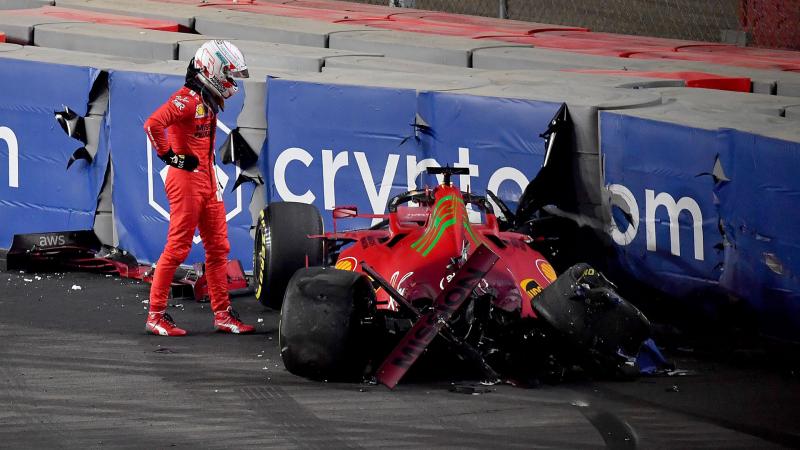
column 356, row 145
column 661, row 172
column 37, row 193
column 650, row 360
column 713, row 217
column 760, row 206
column 337, row 145
column 497, row 137
column 45, row 85
column 141, row 210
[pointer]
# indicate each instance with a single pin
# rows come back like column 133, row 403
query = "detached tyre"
column 282, row 246
column 321, row 333
column 586, row 310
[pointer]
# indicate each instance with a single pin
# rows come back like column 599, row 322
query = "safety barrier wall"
column 19, row 24
column 36, row 190
column 332, row 145
column 707, row 213
column 355, row 145
column 210, row 21
column 504, row 58
column 483, row 47
column 349, row 144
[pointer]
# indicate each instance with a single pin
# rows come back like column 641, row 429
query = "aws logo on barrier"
column 7, row 135
column 623, row 198
column 222, row 178
column 299, row 189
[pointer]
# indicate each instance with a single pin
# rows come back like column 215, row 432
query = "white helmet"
column 218, row 63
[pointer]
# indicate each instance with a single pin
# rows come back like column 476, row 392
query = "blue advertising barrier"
column 47, row 85
column 141, row 209
column 337, row 145
column 661, row 174
column 696, row 212
column 759, row 206
column 706, row 214
column 37, row 192
column 497, row 138
column 350, row 145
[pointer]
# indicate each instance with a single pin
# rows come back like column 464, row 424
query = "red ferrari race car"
column 439, row 274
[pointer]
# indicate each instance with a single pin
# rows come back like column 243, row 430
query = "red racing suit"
column 194, row 199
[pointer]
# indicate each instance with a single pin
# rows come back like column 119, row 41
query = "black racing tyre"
column 583, row 306
column 282, row 246
column 322, row 334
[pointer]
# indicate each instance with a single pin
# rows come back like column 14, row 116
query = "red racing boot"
column 228, row 322
column 161, row 323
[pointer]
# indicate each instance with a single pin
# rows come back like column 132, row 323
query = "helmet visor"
column 244, row 73
column 232, row 72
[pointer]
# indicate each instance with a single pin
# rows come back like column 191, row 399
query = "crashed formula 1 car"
column 370, row 302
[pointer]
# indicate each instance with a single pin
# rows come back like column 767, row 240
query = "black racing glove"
column 185, row 162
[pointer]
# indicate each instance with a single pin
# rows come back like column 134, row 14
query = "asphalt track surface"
column 78, row 371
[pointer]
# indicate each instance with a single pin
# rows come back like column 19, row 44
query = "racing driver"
column 189, row 118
